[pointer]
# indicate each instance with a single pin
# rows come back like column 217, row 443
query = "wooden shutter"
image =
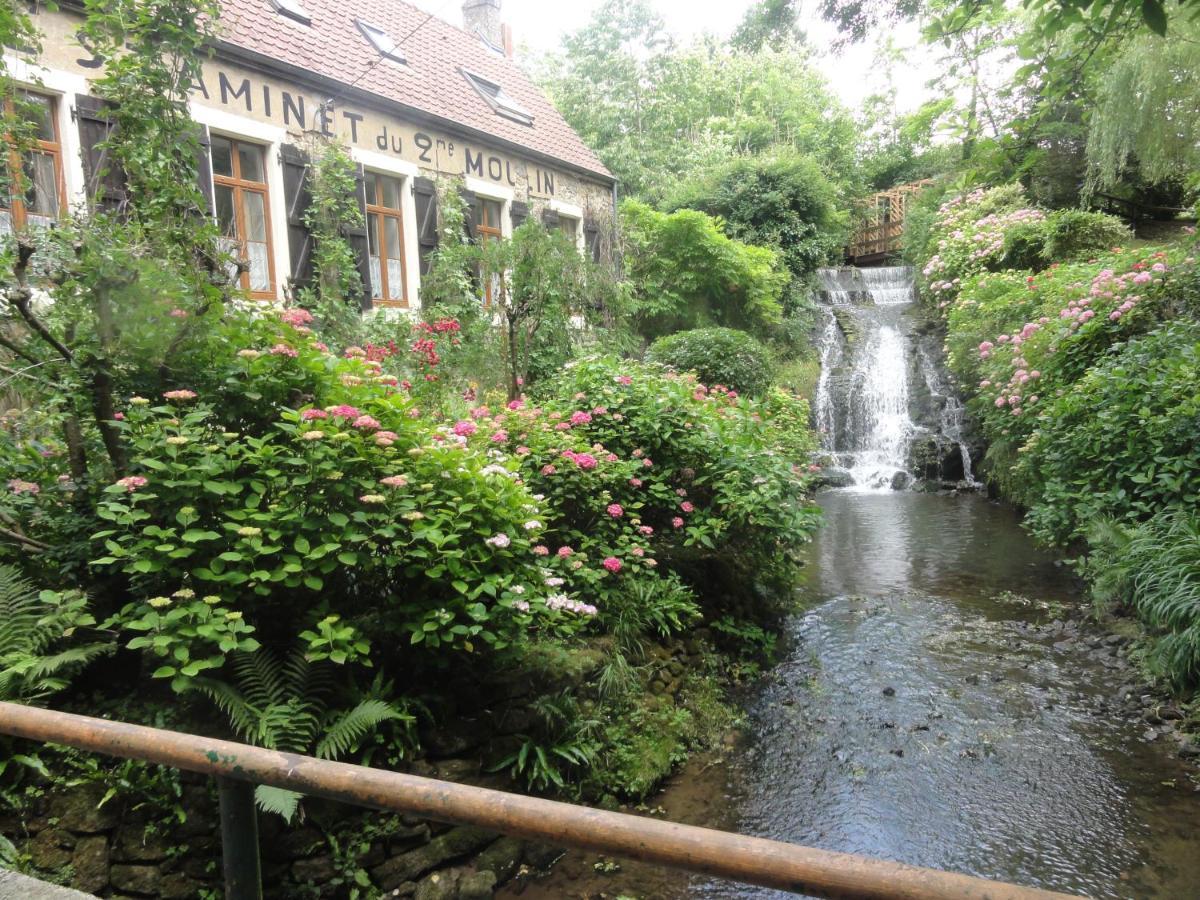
column 425, row 195
column 550, row 218
column 297, row 198
column 204, row 175
column 356, row 236
column 104, row 181
column 520, row 213
column 591, row 240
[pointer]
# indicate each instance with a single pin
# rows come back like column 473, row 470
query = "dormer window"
column 381, row 41
column 293, row 9
column 498, row 100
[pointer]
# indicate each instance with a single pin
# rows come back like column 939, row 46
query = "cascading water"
column 881, row 396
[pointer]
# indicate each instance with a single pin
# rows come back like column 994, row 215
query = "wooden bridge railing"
column 879, row 232
column 237, row 767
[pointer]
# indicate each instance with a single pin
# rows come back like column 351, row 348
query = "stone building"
column 412, row 98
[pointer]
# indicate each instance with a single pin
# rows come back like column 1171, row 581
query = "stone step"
column 15, row 886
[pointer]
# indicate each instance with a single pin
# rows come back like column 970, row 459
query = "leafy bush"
column 684, row 272
column 1024, row 344
column 783, row 201
column 1154, row 568
column 643, row 465
column 721, row 356
column 1123, row 441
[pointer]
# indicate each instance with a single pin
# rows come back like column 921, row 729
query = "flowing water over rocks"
column 934, row 707
column 885, row 410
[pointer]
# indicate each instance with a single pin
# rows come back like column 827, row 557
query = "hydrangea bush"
column 994, row 230
column 1033, row 349
column 359, row 505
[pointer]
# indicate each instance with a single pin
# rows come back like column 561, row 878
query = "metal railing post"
column 239, row 840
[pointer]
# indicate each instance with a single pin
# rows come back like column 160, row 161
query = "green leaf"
column 1155, row 16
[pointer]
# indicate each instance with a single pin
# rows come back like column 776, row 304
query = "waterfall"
column 883, row 408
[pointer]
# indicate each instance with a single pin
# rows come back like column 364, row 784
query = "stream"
column 941, row 700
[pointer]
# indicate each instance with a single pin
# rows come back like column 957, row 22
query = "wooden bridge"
column 881, row 227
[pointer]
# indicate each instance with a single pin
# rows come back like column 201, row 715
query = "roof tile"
column 333, row 46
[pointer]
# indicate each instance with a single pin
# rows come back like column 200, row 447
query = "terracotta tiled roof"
column 333, row 47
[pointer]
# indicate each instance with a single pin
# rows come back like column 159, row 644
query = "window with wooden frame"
column 489, row 227
column 385, row 232
column 569, row 227
column 244, row 211
column 35, row 193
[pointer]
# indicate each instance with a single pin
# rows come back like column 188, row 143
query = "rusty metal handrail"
column 804, row 870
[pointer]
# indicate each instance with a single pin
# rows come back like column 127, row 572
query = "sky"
column 539, row 26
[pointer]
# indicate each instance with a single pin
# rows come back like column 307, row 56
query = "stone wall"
column 115, row 850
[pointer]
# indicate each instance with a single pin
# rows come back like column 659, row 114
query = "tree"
column 773, row 23
column 780, row 200
column 655, row 112
column 1145, row 113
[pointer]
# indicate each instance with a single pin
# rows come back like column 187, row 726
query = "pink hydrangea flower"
column 132, row 482
column 516, row 404
column 548, row 469
column 523, row 451
column 564, row 552
column 119, row 416
column 635, row 482
column 500, row 540
column 687, row 506
column 677, row 522
column 386, row 438
column 282, row 349
column 367, row 422
column 615, row 510
column 623, row 379
column 345, row 412
column 645, row 530
column 541, row 550
column 17, row 486
column 182, row 394
column 395, row 481
column 580, row 418
column 464, row 428
column 499, row 437
column 296, row 316
column 612, row 564
column 179, row 314
column 309, row 414
column 585, row 461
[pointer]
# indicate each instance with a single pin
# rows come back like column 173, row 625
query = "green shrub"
column 1154, row 569
column 1123, row 442
column 721, row 356
column 683, row 272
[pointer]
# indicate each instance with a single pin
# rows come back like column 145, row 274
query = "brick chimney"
column 482, row 17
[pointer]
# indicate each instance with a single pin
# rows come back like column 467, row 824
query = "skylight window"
column 381, row 41
column 293, row 9
column 501, row 102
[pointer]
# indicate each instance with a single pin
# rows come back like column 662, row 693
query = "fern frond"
column 260, row 677
column 277, row 800
column 349, row 727
column 20, row 611
column 230, row 701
